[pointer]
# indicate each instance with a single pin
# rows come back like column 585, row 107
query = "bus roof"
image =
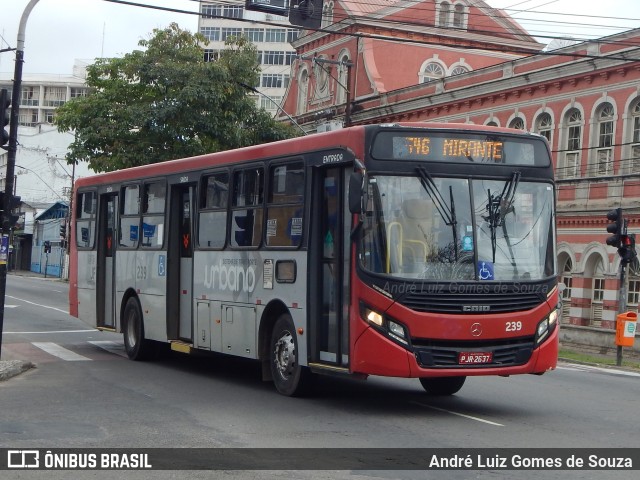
column 351, row 137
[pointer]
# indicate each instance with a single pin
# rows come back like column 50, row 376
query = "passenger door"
column 105, row 268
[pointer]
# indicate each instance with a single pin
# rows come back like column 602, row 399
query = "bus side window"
column 129, row 233
column 285, row 205
column 153, row 214
column 247, row 211
column 85, row 219
column 212, row 229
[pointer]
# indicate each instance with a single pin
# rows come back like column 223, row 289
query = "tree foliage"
column 166, row 102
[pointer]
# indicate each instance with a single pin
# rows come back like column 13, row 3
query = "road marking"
column 10, row 306
column 109, row 346
column 590, row 368
column 470, row 417
column 66, row 312
column 52, row 331
column 60, row 352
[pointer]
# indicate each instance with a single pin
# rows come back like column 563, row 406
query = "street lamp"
column 11, row 150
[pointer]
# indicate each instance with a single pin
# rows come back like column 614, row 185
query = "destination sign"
column 450, row 147
column 460, row 147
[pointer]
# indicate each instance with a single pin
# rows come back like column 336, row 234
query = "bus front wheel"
column 136, row 346
column 289, row 377
column 442, row 385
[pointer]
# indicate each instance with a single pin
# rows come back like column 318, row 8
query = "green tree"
column 166, row 102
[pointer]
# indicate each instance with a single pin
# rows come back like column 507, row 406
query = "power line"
column 392, row 22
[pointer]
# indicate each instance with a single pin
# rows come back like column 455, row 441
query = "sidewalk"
column 28, row 273
column 11, row 368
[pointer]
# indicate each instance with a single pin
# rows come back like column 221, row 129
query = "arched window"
column 451, row 13
column 459, row 70
column 633, row 288
column 568, row 168
column 443, row 16
column 492, row 123
column 327, row 14
column 604, row 151
column 544, row 125
column 634, row 160
column 458, row 16
column 321, row 75
column 341, row 88
column 597, row 295
column 517, row 123
column 303, row 91
column 567, row 280
column 431, row 71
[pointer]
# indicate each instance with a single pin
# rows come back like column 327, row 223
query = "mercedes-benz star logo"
column 476, row 329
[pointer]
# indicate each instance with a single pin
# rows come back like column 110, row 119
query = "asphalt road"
column 85, row 393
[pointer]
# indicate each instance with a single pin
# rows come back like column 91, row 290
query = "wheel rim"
column 132, row 337
column 285, row 355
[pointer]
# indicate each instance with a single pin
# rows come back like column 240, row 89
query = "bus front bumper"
column 374, row 354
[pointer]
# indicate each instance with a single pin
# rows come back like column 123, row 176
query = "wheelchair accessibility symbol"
column 485, row 270
column 161, row 266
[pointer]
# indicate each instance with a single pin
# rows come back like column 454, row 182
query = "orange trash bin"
column 626, row 329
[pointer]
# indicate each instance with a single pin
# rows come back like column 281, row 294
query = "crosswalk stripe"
column 60, row 352
column 109, row 346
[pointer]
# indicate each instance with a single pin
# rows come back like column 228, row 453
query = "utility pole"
column 626, row 245
column 622, row 303
column 11, row 149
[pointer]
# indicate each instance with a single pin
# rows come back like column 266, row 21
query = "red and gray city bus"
column 406, row 250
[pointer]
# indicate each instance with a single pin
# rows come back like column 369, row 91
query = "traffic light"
column 9, row 218
column 616, row 228
column 627, row 250
column 47, row 246
column 63, row 230
column 5, row 117
column 306, row 13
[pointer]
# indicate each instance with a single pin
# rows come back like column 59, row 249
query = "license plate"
column 474, row 358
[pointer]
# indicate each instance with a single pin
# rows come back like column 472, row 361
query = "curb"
column 11, row 368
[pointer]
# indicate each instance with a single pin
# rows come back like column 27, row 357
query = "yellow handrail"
column 398, row 246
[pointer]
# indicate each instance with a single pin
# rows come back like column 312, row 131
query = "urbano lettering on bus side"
column 234, row 278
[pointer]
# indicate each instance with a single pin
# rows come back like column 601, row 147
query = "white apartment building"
column 272, row 35
column 42, row 174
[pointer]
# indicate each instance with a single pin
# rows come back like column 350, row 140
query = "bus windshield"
column 458, row 229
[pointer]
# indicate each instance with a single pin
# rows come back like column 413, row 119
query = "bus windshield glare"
column 458, row 229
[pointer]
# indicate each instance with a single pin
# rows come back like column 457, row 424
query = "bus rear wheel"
column 289, row 377
column 136, row 346
column 442, row 385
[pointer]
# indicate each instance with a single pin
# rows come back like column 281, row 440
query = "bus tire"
column 442, row 385
column 136, row 346
column 289, row 377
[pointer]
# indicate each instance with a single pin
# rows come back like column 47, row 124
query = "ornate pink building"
column 462, row 61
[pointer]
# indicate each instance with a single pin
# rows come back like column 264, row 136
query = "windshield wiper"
column 498, row 206
column 447, row 212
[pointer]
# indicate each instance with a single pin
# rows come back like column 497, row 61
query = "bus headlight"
column 396, row 329
column 373, row 317
column 392, row 329
column 546, row 326
column 397, row 332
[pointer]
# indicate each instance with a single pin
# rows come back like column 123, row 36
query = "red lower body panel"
column 374, row 354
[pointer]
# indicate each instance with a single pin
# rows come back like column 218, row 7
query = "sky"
column 60, row 31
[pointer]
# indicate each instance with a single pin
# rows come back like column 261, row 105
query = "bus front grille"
column 485, row 302
column 445, row 354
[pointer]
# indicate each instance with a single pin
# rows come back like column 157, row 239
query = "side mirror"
column 355, row 192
